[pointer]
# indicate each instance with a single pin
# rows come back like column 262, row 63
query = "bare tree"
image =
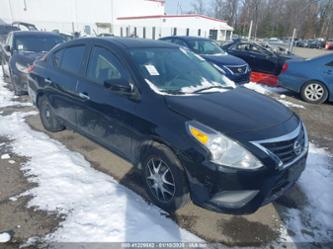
column 198, row 7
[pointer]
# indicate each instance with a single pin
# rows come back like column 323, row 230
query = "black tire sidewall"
column 320, row 101
column 51, row 123
column 160, row 151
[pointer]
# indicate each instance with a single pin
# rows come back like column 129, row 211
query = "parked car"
column 24, row 26
column 234, row 68
column 5, row 29
column 259, row 58
column 19, row 52
column 312, row 79
column 329, row 45
column 171, row 115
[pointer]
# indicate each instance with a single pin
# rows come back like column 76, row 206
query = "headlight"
column 224, row 151
column 21, row 68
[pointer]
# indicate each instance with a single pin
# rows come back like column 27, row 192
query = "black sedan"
column 171, row 114
column 19, row 52
column 259, row 58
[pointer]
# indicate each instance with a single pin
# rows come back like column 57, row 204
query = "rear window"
column 69, row 59
column 36, row 43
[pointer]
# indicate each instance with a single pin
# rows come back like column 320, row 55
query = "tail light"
column 284, row 68
column 30, row 68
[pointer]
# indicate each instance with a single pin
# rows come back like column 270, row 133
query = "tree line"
column 272, row 18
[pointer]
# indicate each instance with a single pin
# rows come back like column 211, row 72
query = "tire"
column 161, row 167
column 47, row 116
column 314, row 92
column 17, row 91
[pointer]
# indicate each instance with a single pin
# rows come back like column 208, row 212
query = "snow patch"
column 7, row 96
column 97, row 208
column 263, row 89
column 5, row 237
column 290, row 104
column 5, row 156
column 316, row 216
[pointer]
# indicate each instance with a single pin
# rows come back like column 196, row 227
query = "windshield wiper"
column 212, row 87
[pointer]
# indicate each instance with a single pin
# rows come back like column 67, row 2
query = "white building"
column 142, row 18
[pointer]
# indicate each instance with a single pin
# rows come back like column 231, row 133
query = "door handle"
column 84, row 96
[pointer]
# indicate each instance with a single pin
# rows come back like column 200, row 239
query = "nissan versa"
column 172, row 115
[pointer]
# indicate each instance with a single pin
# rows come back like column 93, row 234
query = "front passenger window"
column 103, row 65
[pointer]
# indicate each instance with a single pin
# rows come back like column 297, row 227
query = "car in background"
column 266, row 65
column 5, row 29
column 311, row 78
column 329, row 45
column 19, row 52
column 232, row 67
column 171, row 114
column 24, row 26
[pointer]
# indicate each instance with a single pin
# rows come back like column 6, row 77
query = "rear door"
column 328, row 75
column 67, row 64
column 105, row 116
column 263, row 61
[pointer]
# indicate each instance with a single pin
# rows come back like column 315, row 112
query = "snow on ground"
column 97, row 207
column 316, row 216
column 4, row 237
column 263, row 89
column 7, row 96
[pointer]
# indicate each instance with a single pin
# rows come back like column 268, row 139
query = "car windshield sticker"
column 152, row 70
column 20, row 47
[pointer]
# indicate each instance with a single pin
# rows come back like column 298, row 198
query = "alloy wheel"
column 314, row 92
column 160, row 180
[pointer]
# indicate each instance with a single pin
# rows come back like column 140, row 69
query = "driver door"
column 105, row 116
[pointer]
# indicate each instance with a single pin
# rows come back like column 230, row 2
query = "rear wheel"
column 164, row 178
column 47, row 116
column 314, row 92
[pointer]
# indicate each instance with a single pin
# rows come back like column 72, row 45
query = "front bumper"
column 244, row 192
column 240, row 79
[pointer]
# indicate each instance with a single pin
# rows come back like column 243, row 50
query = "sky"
column 171, row 6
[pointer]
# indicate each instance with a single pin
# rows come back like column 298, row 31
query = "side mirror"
column 7, row 48
column 120, row 86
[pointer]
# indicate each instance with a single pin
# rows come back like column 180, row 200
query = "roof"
column 138, row 43
column 187, row 38
column 171, row 16
column 25, row 33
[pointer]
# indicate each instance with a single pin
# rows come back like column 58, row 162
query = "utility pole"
column 250, row 30
column 291, row 45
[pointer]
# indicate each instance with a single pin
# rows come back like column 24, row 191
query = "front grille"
column 238, row 69
column 290, row 149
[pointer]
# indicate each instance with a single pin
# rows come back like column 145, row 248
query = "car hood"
column 238, row 110
column 224, row 59
column 28, row 57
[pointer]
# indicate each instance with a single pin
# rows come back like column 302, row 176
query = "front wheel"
column 314, row 92
column 164, row 178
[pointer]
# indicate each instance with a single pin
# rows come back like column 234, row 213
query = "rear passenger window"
column 103, row 65
column 69, row 59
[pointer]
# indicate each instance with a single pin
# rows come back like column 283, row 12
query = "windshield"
column 36, row 43
column 205, row 47
column 176, row 70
